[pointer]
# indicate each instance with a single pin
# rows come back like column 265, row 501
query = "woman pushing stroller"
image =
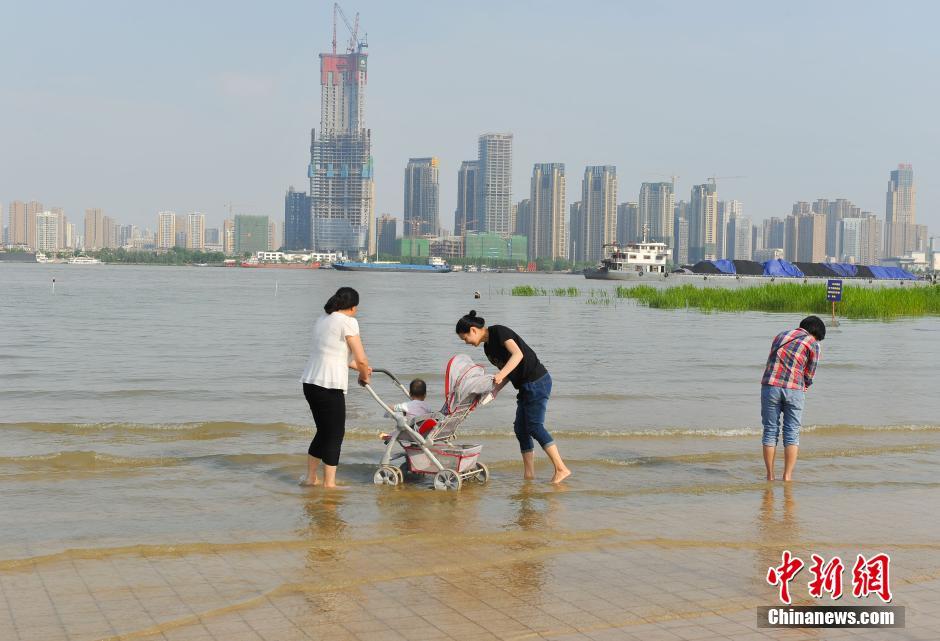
column 519, row 365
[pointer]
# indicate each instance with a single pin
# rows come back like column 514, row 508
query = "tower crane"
column 712, row 179
column 355, row 44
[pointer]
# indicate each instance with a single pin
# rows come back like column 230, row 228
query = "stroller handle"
column 392, row 376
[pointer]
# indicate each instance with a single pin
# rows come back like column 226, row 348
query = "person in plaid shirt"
column 789, row 373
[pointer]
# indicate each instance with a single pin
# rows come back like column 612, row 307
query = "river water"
column 161, row 405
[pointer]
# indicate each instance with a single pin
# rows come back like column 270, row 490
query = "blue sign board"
column 834, row 290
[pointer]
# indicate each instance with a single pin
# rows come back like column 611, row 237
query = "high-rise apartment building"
column 656, row 212
column 126, row 234
column 774, row 233
column 757, row 239
column 547, row 230
column 251, row 234
column 576, row 241
column 386, row 235
column 296, row 220
column 598, row 210
column 228, row 237
column 95, row 233
column 17, row 233
column 47, row 232
column 900, row 210
column 112, row 232
column 861, row 239
column 739, row 239
column 494, row 189
column 342, row 190
column 422, row 197
column 465, row 216
column 703, row 223
column 196, row 238
column 806, row 238
column 628, row 223
column 63, row 222
column 802, row 208
column 727, row 211
column 521, row 220
column 182, row 231
column 680, row 234
column 274, row 241
column 680, row 252
column 213, row 237
column 166, row 230
column 33, row 209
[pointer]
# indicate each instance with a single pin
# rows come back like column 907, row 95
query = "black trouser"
column 328, row 407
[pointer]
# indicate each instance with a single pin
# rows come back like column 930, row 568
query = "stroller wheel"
column 482, row 473
column 386, row 475
column 447, row 480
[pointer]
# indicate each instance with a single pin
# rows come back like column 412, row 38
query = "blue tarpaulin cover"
column 846, row 270
column 891, row 273
column 724, row 265
column 780, row 267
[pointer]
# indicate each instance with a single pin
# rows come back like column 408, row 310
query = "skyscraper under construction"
column 342, row 191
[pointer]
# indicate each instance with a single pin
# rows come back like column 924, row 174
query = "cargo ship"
column 434, row 266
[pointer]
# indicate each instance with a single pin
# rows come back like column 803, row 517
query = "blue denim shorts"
column 776, row 402
column 531, row 405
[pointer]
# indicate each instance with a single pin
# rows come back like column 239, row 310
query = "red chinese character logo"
column 871, row 577
column 826, row 578
column 782, row 575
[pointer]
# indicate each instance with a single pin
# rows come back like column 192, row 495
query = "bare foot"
column 561, row 475
column 306, row 483
column 771, row 478
column 528, row 477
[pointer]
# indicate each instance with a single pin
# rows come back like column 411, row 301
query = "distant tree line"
column 173, row 256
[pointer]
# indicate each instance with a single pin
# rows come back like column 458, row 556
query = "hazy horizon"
column 137, row 109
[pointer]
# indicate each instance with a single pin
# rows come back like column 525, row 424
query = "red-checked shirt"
column 792, row 360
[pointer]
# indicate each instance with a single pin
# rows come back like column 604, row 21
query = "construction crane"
column 355, row 44
column 712, row 179
column 230, row 206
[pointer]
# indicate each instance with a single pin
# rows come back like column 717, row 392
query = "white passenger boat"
column 634, row 261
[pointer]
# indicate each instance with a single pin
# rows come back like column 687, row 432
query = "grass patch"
column 528, row 290
column 857, row 302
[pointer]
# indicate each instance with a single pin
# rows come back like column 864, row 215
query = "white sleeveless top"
column 329, row 354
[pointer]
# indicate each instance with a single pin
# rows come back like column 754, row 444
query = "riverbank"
column 857, row 302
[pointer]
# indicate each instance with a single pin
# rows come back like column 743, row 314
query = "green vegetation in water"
column 529, row 290
column 857, row 302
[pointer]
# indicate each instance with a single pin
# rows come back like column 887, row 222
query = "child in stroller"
column 413, row 409
column 428, row 447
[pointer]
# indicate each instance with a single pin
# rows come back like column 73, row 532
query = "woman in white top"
column 326, row 380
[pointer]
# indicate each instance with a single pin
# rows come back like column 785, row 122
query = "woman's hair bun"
column 473, row 313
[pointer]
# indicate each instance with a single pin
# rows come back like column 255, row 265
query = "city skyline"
column 269, row 99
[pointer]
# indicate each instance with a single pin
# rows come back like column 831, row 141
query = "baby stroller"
column 428, row 440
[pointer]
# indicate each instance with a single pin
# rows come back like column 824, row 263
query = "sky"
column 197, row 105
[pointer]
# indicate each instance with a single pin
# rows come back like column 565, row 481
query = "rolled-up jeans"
column 777, row 401
column 531, row 404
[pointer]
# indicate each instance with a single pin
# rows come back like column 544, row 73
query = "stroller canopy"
column 464, row 383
